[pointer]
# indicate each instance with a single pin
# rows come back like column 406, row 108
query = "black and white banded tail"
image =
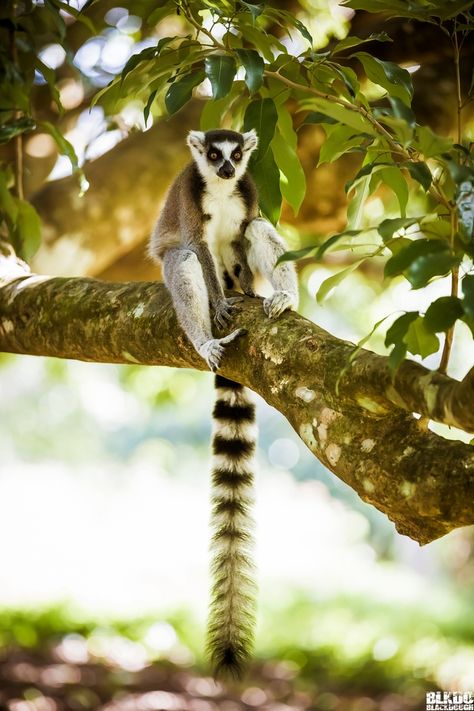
column 232, row 609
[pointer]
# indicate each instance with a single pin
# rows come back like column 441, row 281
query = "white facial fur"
column 209, row 169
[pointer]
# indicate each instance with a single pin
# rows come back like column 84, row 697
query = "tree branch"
column 365, row 434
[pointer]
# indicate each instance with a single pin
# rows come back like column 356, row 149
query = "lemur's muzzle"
column 226, row 170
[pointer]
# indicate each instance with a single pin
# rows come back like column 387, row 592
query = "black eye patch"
column 237, row 154
column 214, row 153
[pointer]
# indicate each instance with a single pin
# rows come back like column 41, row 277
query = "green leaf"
column 261, row 115
column 255, row 10
column 397, row 331
column 350, row 80
column 220, row 70
column 397, row 355
column 406, row 256
column 292, row 20
column 443, row 313
column 467, row 286
column 421, row 260
column 429, row 143
column 254, row 66
column 393, row 177
column 296, row 254
column 77, row 14
column 333, row 240
column 28, row 227
column 402, row 111
column 267, row 178
column 367, row 169
column 420, row 172
column 419, row 340
column 339, row 141
column 146, row 110
column 57, row 18
column 214, row 109
column 164, row 9
column 66, row 149
column 447, row 10
column 318, row 117
column 331, row 282
column 342, row 115
column 353, row 356
column 258, row 38
column 136, row 59
column 388, row 227
column 430, row 265
column 181, row 90
column 15, row 128
column 50, row 77
column 399, row 127
column 62, row 143
column 8, row 204
column 293, row 187
column 349, row 42
column 390, row 76
column 355, row 209
column 285, row 125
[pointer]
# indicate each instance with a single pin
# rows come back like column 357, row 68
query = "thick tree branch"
column 365, row 435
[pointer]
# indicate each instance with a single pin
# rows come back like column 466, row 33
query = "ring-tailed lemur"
column 209, row 237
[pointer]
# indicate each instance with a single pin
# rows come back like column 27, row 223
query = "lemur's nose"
column 226, row 170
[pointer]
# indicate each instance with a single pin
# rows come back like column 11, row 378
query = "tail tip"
column 230, row 665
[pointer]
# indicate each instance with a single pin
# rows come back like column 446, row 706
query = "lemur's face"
column 222, row 154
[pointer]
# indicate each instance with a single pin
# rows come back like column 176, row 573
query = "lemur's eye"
column 237, row 155
column 213, row 155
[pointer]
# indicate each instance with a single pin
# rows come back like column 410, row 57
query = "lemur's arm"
column 222, row 305
column 265, row 248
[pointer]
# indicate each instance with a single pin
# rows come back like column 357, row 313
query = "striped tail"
column 232, row 610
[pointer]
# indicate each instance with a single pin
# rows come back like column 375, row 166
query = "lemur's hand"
column 278, row 302
column 224, row 308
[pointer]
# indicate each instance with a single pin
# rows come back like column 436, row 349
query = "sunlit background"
column 104, row 491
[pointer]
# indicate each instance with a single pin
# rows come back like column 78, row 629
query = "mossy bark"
column 365, row 433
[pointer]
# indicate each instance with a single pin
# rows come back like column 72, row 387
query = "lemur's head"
column 221, row 153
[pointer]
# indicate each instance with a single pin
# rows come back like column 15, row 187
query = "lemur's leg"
column 265, row 247
column 184, row 279
column 222, row 305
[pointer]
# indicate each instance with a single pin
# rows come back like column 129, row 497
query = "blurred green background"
column 103, row 583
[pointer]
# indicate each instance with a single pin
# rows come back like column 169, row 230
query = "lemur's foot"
column 278, row 302
column 212, row 351
column 223, row 310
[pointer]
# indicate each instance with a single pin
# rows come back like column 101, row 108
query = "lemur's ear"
column 195, row 140
column 250, row 141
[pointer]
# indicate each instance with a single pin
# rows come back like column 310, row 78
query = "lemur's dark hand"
column 224, row 308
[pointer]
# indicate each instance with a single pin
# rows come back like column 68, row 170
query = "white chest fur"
column 226, row 211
